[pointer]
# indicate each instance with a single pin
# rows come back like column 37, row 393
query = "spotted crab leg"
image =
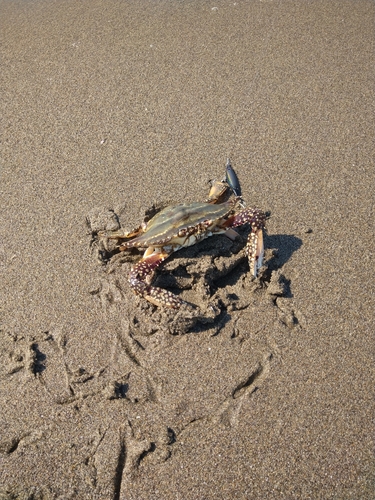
column 141, row 275
column 254, row 246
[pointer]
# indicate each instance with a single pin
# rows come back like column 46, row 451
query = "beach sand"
column 109, row 108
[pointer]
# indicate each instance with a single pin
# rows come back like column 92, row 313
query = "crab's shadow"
column 284, row 246
column 279, row 249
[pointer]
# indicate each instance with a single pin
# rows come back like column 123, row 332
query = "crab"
column 185, row 224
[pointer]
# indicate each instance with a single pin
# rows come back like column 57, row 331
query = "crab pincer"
column 232, row 179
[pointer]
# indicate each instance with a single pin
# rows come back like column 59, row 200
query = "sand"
column 109, row 108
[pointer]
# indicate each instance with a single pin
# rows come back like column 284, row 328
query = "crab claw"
column 232, row 179
column 217, row 191
column 254, row 247
column 255, row 250
column 141, row 275
column 219, row 188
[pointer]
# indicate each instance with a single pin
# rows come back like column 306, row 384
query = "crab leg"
column 254, row 246
column 120, row 234
column 141, row 275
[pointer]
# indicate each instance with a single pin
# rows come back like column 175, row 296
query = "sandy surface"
column 109, row 107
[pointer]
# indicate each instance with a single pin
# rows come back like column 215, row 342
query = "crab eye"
column 182, row 232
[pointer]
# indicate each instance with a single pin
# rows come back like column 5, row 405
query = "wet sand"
column 111, row 107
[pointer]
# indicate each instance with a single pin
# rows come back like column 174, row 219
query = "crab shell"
column 183, row 225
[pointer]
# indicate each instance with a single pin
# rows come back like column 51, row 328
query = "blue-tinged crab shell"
column 178, row 221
